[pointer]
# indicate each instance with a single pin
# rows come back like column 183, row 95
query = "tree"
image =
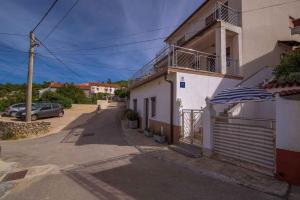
column 289, row 68
column 121, row 93
column 56, row 98
column 72, row 92
column 109, row 81
column 122, row 83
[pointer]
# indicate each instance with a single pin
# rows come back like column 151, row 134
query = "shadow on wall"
column 270, row 59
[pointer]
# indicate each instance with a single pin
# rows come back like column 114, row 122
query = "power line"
column 58, row 59
column 110, row 46
column 61, row 20
column 13, row 34
column 45, row 15
column 128, row 35
column 275, row 5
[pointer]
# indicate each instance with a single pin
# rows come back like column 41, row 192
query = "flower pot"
column 133, row 124
column 148, row 133
column 159, row 139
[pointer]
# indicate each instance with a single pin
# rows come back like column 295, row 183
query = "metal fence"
column 175, row 56
column 218, row 12
column 192, row 127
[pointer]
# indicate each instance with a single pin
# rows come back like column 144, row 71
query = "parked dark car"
column 43, row 110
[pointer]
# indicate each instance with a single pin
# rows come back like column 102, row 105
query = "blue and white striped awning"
column 241, row 94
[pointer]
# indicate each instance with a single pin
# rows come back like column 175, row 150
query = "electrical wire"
column 58, row 59
column 61, row 20
column 45, row 15
column 110, row 46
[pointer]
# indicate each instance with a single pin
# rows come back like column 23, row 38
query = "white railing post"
column 208, row 126
column 173, row 56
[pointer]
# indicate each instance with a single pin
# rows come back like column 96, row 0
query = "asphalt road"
column 94, row 161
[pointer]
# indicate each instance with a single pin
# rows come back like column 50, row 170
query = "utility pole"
column 29, row 77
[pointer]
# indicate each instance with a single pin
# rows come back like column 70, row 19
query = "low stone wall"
column 10, row 129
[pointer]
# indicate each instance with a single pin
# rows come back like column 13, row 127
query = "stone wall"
column 10, row 129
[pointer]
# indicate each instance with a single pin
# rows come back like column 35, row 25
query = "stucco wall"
column 288, row 124
column 197, row 88
column 264, row 22
column 255, row 110
column 158, row 88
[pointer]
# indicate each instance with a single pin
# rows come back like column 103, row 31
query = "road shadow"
column 102, row 127
column 140, row 176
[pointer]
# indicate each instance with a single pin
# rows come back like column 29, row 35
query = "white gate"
column 244, row 142
column 192, row 127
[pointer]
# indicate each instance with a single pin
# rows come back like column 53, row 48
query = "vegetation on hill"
column 289, row 68
column 16, row 93
column 122, row 93
column 122, row 83
column 66, row 96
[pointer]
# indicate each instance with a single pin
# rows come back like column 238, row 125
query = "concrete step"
column 187, row 150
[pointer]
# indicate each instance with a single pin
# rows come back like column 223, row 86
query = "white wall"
column 288, row 124
column 255, row 110
column 264, row 22
column 197, row 88
column 158, row 88
column 102, row 89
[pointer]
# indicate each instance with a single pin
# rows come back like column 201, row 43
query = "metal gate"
column 192, row 127
column 245, row 143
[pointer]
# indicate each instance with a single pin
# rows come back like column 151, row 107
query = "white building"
column 223, row 44
column 103, row 88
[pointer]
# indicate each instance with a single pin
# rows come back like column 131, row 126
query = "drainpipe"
column 171, row 108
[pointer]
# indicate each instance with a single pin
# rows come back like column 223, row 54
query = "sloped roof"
column 56, row 85
column 281, row 84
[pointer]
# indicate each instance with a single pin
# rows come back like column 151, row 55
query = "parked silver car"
column 13, row 109
column 43, row 110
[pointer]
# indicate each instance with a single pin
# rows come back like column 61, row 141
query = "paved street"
column 94, row 161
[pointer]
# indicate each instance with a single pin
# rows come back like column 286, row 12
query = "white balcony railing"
column 179, row 57
column 219, row 12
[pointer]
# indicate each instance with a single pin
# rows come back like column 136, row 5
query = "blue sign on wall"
column 182, row 84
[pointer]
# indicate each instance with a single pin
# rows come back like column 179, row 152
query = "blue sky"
column 92, row 24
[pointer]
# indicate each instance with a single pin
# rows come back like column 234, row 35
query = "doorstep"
column 187, row 150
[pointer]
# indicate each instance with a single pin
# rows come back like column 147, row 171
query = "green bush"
column 98, row 96
column 74, row 93
column 56, row 98
column 132, row 115
column 121, row 93
column 289, row 68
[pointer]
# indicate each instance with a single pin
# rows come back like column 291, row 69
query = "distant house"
column 53, row 86
column 88, row 88
column 85, row 87
column 108, row 88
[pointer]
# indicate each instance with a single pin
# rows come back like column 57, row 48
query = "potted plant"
column 159, row 138
column 148, row 132
column 133, row 118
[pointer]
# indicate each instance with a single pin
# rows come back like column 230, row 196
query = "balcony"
column 182, row 58
column 219, row 12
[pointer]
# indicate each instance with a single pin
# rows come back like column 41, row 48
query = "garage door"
column 247, row 143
